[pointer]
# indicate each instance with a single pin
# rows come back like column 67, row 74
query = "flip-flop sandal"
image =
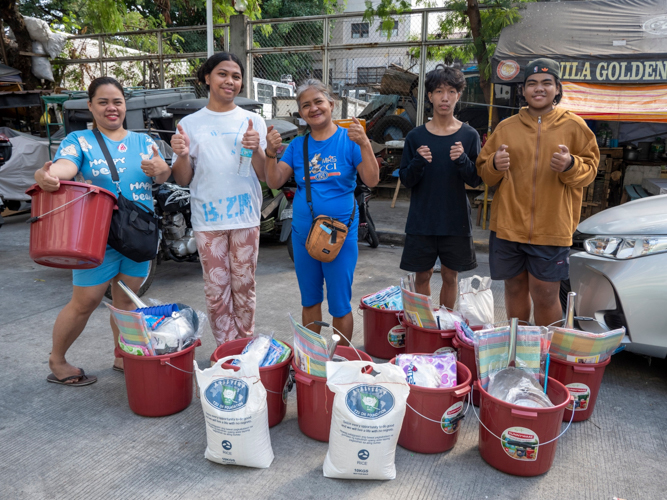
column 118, row 369
column 81, row 379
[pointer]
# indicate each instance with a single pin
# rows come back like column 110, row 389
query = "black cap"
column 543, row 66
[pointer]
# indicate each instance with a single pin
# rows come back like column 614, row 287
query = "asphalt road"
column 85, row 443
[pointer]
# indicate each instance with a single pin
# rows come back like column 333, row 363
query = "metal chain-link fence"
column 363, row 61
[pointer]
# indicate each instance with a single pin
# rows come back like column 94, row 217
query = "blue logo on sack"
column 227, row 394
column 369, row 401
column 226, row 445
column 363, row 454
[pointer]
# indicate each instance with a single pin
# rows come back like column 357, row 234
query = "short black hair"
column 444, row 75
column 210, row 64
column 103, row 80
column 557, row 99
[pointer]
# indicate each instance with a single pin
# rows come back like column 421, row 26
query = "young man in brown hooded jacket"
column 541, row 159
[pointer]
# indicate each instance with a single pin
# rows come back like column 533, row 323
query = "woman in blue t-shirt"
column 138, row 163
column 336, row 155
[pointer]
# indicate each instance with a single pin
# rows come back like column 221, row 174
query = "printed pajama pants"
column 229, row 259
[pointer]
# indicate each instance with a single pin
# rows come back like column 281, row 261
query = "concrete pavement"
column 390, row 224
column 85, row 443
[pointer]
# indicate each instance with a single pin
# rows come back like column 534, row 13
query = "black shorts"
column 420, row 253
column 508, row 259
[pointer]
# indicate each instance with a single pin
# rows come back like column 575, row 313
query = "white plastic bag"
column 367, row 416
column 37, row 29
column 476, row 304
column 56, row 44
column 41, row 67
column 237, row 417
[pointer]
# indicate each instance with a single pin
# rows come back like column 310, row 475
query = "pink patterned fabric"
column 228, row 260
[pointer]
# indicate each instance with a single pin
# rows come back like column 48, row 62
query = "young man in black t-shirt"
column 438, row 161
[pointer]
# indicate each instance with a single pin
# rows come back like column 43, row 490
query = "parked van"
column 265, row 90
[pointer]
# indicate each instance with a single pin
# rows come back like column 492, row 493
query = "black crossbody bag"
column 327, row 234
column 134, row 228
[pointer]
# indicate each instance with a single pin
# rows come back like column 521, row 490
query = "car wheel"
column 371, row 236
column 144, row 286
column 390, row 128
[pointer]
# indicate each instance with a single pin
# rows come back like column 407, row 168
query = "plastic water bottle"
column 244, row 163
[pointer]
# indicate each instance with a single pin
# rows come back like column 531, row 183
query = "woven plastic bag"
column 476, row 304
column 237, row 417
column 368, row 411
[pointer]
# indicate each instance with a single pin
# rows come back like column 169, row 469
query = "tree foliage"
column 481, row 21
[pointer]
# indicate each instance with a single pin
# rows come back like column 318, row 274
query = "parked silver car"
column 621, row 275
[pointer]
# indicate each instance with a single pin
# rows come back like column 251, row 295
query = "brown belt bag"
column 327, row 234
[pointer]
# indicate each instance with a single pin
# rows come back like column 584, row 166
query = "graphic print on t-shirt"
column 82, row 149
column 321, row 169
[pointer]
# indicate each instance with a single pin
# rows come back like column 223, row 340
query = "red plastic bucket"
column 314, row 400
column 583, row 381
column 74, row 235
column 274, row 378
column 516, row 448
column 444, row 409
column 156, row 389
column 383, row 332
column 418, row 339
column 466, row 355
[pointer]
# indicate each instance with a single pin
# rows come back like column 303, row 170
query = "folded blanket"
column 584, row 347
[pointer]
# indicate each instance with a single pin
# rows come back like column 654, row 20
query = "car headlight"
column 625, row 247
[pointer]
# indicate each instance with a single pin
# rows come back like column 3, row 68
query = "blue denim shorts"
column 113, row 264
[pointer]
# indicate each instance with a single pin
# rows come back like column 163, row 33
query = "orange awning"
column 623, row 103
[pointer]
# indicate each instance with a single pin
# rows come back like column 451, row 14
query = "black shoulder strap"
column 107, row 157
column 306, row 173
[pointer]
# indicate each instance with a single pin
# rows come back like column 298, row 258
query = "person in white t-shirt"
column 225, row 205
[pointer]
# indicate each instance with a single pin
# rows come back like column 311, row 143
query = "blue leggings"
column 338, row 275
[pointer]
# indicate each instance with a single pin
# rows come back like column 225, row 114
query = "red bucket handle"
column 524, row 414
column 303, row 379
column 463, row 392
column 584, row 369
column 448, row 334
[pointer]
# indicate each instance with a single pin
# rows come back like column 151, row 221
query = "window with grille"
column 392, row 32
column 282, row 91
column 360, row 30
column 264, row 93
column 370, row 76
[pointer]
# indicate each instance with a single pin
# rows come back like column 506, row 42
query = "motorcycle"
column 176, row 239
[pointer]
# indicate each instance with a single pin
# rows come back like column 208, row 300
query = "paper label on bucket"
column 587, row 360
column 396, row 336
column 581, row 394
column 520, row 443
column 452, row 418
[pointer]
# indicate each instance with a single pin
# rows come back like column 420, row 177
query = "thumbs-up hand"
column 501, row 159
column 46, row 180
column 155, row 165
column 356, row 133
column 456, row 151
column 180, row 142
column 561, row 160
column 250, row 138
column 273, row 141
